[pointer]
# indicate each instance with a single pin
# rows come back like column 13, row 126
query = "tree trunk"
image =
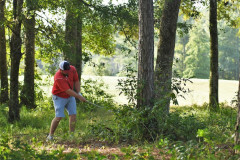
column 70, row 37
column 237, row 127
column 146, row 54
column 73, row 38
column 15, row 54
column 79, row 49
column 3, row 55
column 165, row 53
column 28, row 92
column 185, row 40
column 213, row 96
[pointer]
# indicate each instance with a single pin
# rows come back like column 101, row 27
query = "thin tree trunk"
column 146, row 54
column 28, row 92
column 213, row 96
column 237, row 127
column 15, row 54
column 185, row 41
column 238, row 61
column 3, row 55
column 165, row 53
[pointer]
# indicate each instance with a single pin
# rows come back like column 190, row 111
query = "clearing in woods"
column 199, row 90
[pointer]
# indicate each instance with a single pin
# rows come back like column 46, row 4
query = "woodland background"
column 157, row 49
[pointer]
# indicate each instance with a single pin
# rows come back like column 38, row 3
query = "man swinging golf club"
column 63, row 95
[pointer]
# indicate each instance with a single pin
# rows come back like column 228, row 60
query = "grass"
column 199, row 90
column 190, row 132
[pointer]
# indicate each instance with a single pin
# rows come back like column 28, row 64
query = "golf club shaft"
column 94, row 104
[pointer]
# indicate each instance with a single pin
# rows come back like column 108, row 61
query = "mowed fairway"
column 199, row 90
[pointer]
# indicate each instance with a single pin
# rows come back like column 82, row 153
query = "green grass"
column 189, row 132
column 199, row 90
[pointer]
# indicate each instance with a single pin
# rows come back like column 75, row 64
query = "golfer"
column 63, row 95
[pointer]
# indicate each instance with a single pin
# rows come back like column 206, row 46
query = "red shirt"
column 63, row 83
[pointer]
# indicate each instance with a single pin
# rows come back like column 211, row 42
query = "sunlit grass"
column 199, row 90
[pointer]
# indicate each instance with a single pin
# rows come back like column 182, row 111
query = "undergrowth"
column 190, row 132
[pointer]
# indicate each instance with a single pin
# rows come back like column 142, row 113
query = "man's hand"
column 74, row 94
column 81, row 97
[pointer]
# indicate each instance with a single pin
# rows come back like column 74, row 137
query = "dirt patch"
column 108, row 150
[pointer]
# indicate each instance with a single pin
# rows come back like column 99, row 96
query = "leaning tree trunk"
column 146, row 54
column 3, row 55
column 28, row 92
column 15, row 54
column 213, row 96
column 165, row 53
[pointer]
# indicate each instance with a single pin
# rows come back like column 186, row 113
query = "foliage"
column 125, row 55
column 189, row 8
column 101, row 66
column 186, row 133
column 145, row 124
column 11, row 149
column 190, row 132
column 180, row 49
column 192, row 49
column 95, row 91
column 197, row 59
column 228, row 53
column 179, row 87
column 128, row 86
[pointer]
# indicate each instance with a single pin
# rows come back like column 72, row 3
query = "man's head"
column 64, row 67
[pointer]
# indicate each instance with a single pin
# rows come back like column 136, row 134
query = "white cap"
column 64, row 65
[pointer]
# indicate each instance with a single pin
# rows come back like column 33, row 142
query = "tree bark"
column 213, row 95
column 79, row 49
column 70, row 37
column 146, row 54
column 15, row 55
column 237, row 127
column 3, row 55
column 165, row 53
column 28, row 92
column 73, row 37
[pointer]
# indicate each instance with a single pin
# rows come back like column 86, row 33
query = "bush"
column 137, row 125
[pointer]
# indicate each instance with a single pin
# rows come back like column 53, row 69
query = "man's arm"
column 77, row 86
column 74, row 94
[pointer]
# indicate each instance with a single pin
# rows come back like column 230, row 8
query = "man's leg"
column 59, row 104
column 72, row 111
column 54, row 125
column 72, row 122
